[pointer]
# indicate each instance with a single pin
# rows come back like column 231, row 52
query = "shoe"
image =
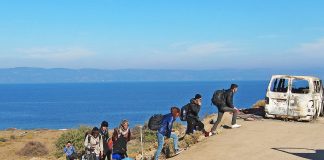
column 236, row 126
column 178, row 151
column 211, row 122
column 208, row 134
column 213, row 133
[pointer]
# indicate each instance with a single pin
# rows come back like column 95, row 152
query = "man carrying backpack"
column 166, row 130
column 224, row 102
column 193, row 122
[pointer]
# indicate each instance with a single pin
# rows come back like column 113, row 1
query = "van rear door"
column 279, row 96
column 299, row 97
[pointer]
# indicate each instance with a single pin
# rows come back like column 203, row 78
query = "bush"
column 178, row 127
column 149, row 136
column 33, row 149
column 76, row 136
column 136, row 133
column 3, row 140
column 191, row 139
column 12, row 137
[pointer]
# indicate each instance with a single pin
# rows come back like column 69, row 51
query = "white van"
column 294, row 97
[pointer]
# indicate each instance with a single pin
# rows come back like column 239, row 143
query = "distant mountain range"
column 63, row 75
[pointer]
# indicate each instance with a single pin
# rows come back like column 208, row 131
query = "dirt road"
column 266, row 140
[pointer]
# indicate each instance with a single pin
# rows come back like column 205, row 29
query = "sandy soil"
column 267, row 139
column 18, row 138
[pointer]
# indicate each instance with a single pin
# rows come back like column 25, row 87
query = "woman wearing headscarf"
column 94, row 144
column 120, row 137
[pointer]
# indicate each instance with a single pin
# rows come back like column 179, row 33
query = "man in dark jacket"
column 166, row 130
column 105, row 137
column 193, row 122
column 227, row 106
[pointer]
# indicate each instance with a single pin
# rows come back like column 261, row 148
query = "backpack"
column 155, row 121
column 120, row 146
column 218, row 97
column 184, row 112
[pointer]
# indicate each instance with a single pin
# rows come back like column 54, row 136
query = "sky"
column 162, row 34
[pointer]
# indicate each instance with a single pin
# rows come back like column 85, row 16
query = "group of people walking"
column 100, row 146
column 190, row 113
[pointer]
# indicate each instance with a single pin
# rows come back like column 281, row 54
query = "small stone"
column 249, row 119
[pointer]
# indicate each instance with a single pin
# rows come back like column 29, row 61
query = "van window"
column 317, row 86
column 300, row 86
column 279, row 85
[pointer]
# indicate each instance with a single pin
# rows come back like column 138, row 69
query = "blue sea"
column 59, row 106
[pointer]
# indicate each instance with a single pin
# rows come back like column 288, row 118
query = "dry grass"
column 33, row 148
column 12, row 137
column 3, row 140
column 191, row 139
column 258, row 104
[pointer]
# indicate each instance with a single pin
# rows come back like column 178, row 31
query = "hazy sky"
column 162, row 34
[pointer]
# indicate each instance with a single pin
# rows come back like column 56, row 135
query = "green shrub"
column 12, row 137
column 33, row 149
column 3, row 140
column 149, row 136
column 136, row 132
column 191, row 139
column 76, row 136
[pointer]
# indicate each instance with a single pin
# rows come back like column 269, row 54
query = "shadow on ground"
column 311, row 154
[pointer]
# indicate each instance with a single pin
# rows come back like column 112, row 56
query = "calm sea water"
column 58, row 106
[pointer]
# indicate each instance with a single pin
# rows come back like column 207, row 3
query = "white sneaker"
column 178, row 151
column 236, row 126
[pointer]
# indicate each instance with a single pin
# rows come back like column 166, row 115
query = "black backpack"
column 218, row 97
column 155, row 121
column 184, row 112
column 120, row 146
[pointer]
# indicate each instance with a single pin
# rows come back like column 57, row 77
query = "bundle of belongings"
column 251, row 114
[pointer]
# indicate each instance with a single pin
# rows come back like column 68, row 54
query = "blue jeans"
column 117, row 156
column 160, row 138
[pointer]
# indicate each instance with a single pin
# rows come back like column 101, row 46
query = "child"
column 69, row 151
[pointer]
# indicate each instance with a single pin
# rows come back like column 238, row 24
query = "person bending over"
column 166, row 131
column 193, row 122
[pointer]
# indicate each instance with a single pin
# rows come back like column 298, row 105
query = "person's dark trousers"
column 220, row 116
column 107, row 154
column 193, row 124
column 200, row 126
column 68, row 158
